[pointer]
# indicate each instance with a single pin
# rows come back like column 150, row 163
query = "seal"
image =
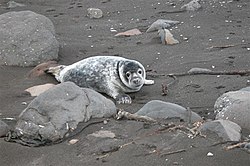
column 112, row 75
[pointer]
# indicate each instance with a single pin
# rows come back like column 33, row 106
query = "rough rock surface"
column 4, row 128
column 57, row 111
column 165, row 110
column 27, row 39
column 234, row 106
column 225, row 129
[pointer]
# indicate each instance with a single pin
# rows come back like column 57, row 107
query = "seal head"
column 132, row 75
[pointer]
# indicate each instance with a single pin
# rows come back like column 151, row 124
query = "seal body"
column 112, row 75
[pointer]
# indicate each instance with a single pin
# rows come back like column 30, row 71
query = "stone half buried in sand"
column 234, row 106
column 225, row 129
column 94, row 13
column 167, row 37
column 161, row 24
column 131, row 32
column 157, row 109
column 56, row 113
column 192, row 5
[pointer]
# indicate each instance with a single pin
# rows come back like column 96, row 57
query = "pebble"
column 209, row 154
column 73, row 141
column 105, row 122
column 94, row 13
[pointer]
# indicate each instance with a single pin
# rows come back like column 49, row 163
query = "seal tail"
column 55, row 71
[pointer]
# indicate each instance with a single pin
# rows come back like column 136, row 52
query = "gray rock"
column 198, row 70
column 164, row 110
column 234, row 106
column 4, row 128
column 54, row 114
column 192, row 5
column 13, row 4
column 94, row 13
column 161, row 24
column 247, row 147
column 245, row 89
column 27, row 39
column 225, row 129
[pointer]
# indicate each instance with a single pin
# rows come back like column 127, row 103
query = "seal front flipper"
column 123, row 99
column 149, row 82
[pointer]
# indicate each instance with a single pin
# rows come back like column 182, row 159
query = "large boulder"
column 164, row 110
column 234, row 106
column 54, row 114
column 27, row 39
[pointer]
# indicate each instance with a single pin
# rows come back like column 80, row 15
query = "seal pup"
column 111, row 75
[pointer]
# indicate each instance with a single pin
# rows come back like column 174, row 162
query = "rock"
column 167, row 37
column 225, row 129
column 13, row 4
column 4, row 129
column 94, row 13
column 192, row 5
column 198, row 70
column 164, row 110
column 245, row 89
column 37, row 90
column 131, row 32
column 234, row 106
column 247, row 147
column 210, row 154
column 102, row 134
column 27, row 39
column 57, row 112
column 161, row 24
column 73, row 141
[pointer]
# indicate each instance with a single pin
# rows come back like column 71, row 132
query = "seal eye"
column 128, row 74
column 140, row 71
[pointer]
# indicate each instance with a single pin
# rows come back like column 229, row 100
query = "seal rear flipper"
column 41, row 68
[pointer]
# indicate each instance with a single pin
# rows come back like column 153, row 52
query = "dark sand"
column 220, row 24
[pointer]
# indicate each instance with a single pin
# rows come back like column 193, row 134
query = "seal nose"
column 136, row 81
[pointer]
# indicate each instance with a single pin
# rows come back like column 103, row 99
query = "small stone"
column 73, row 141
column 24, row 103
column 192, row 5
column 105, row 122
column 209, row 154
column 94, row 13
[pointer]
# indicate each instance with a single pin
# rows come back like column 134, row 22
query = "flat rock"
column 164, row 110
column 234, row 106
column 102, row 134
column 225, row 129
column 4, row 128
column 27, row 39
column 38, row 89
column 55, row 113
